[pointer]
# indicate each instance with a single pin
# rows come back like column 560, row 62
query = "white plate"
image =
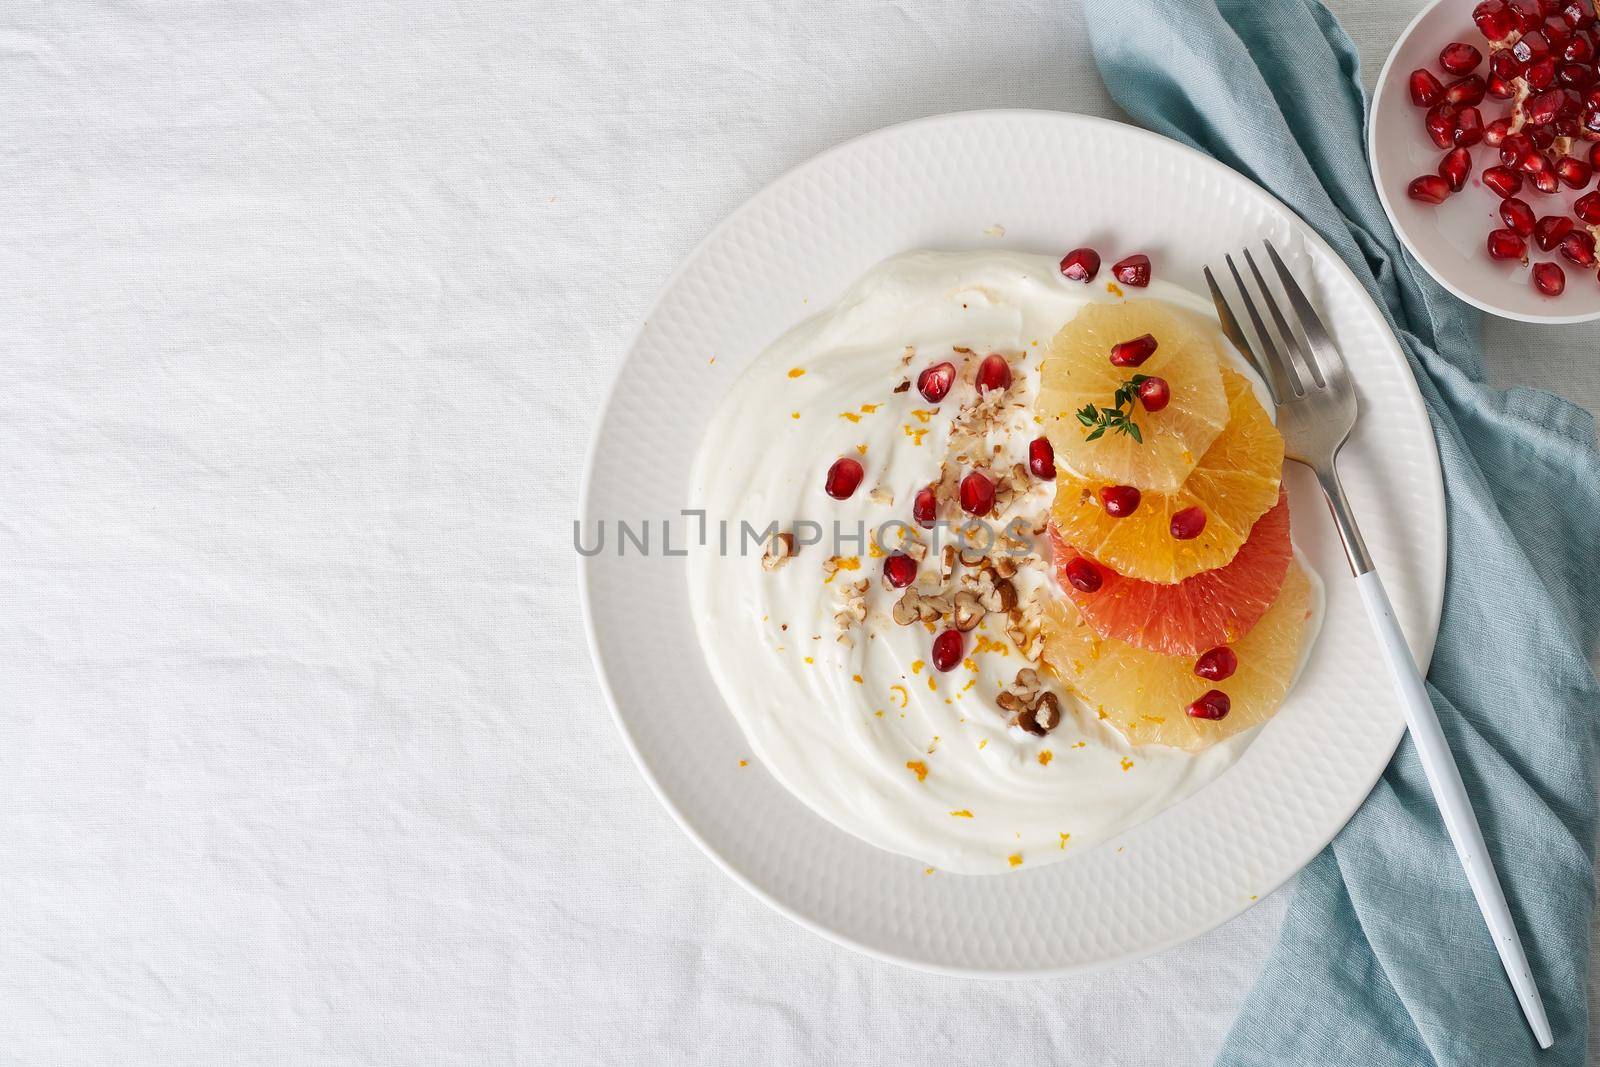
column 1448, row 239
column 1053, row 181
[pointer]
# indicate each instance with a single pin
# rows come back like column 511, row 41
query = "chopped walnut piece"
column 779, row 550
column 968, row 611
column 1030, row 706
column 852, row 610
column 880, row 495
column 904, row 386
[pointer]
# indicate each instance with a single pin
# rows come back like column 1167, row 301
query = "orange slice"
column 1078, row 371
column 1234, row 483
column 1144, row 694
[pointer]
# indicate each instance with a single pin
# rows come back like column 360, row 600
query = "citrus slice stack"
column 1077, row 372
column 1183, row 608
column 1145, row 694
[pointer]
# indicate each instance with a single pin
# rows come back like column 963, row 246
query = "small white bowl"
column 1449, row 239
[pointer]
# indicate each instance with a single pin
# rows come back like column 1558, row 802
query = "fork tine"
column 1284, row 382
column 1322, row 346
column 1296, row 356
column 1231, row 330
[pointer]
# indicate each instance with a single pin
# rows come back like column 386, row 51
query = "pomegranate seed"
column 1549, row 278
column 1574, row 172
column 1526, row 15
column 1120, row 501
column 1514, row 147
column 1530, row 48
column 1576, row 15
column 935, row 382
column 844, row 477
column 1591, row 118
column 977, row 494
column 1594, row 157
column 1133, row 270
column 1426, row 90
column 1503, row 180
column 1469, row 127
column 925, row 507
column 1154, row 393
column 1468, row 90
column 1554, row 30
column 1454, row 168
column 1507, row 244
column 1534, row 163
column 1549, row 7
column 1042, row 459
column 1541, row 136
column 1458, row 58
column 1134, row 352
column 1549, row 230
column 1574, row 75
column 1084, row 576
column 947, row 650
column 1518, row 215
column 1587, row 208
column 1188, row 524
column 1578, row 50
column 899, row 570
column 1432, row 189
column 1541, row 75
column 994, row 373
column 1493, row 20
column 1545, row 180
column 1578, row 246
column 1502, row 64
column 1543, row 107
column 1495, row 132
column 1591, row 96
column 1441, row 124
column 1218, row 664
column 1501, row 88
column 1212, row 704
column 1082, row 264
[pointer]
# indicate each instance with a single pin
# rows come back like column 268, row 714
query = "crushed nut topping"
column 1030, row 706
column 779, row 550
column 852, row 609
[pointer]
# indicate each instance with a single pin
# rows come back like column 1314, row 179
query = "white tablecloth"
column 306, row 310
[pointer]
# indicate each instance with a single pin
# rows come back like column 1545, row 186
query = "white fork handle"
column 1444, row 778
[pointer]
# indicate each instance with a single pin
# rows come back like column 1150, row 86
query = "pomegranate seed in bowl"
column 1578, row 50
column 935, row 382
column 1549, row 278
column 1578, row 246
column 844, row 477
column 1469, row 90
column 1493, row 20
column 1042, row 459
column 1542, row 74
column 1134, row 352
column 1549, row 231
column 1441, row 124
column 994, row 373
column 1469, row 127
column 1507, row 244
column 1517, row 215
column 1430, row 189
column 1504, row 181
column 1587, row 208
column 1082, row 264
column 1132, row 270
column 1084, row 575
column 1426, row 90
column 1454, row 168
column 1120, row 501
column 1495, row 132
column 977, row 494
column 947, row 650
column 1502, row 64
column 1460, row 58
column 1154, row 393
column 1574, row 172
column 1514, row 147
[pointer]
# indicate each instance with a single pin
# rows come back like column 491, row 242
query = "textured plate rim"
column 1313, row 240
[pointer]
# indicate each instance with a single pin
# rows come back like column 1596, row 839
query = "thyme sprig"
column 1098, row 420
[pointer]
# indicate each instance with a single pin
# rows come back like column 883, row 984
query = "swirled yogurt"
column 863, row 729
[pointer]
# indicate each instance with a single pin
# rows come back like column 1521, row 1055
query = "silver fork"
column 1316, row 412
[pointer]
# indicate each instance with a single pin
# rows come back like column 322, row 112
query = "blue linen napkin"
column 1383, row 957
